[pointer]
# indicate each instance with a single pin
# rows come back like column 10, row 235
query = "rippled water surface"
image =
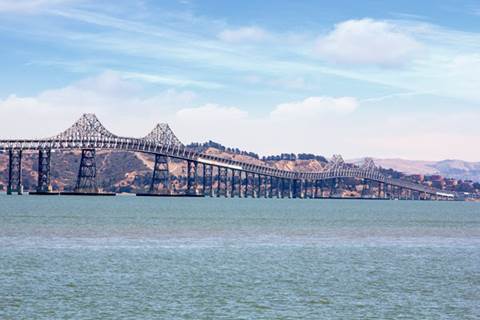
column 159, row 258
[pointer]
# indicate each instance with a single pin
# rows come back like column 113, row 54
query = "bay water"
column 191, row 258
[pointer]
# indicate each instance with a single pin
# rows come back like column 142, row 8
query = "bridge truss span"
column 88, row 133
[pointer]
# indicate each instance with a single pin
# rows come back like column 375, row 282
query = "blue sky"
column 361, row 78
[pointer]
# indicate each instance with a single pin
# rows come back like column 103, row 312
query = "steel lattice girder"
column 89, row 133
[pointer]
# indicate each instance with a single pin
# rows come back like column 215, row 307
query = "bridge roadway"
column 180, row 152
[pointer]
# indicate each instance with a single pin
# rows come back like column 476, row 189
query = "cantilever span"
column 234, row 177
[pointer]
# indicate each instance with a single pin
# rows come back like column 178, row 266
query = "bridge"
column 206, row 174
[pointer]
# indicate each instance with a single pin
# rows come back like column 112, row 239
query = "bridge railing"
column 181, row 152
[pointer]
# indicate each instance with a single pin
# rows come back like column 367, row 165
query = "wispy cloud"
column 170, row 80
column 314, row 106
column 395, row 95
column 185, row 51
column 34, row 7
column 244, row 34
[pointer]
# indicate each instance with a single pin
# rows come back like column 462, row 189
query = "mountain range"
column 458, row 169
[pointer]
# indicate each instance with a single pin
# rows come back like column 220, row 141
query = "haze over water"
column 152, row 258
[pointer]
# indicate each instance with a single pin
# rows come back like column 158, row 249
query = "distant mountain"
column 457, row 169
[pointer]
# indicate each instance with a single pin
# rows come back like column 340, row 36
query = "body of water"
column 189, row 258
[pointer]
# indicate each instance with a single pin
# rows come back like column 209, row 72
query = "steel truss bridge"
column 233, row 177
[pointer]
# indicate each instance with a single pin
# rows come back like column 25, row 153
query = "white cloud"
column 211, row 112
column 445, row 135
column 211, row 122
column 244, row 34
column 315, row 106
column 290, row 127
column 120, row 103
column 290, row 83
column 315, row 124
column 368, row 41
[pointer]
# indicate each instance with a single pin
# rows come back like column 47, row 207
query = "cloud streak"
column 244, row 34
column 32, row 6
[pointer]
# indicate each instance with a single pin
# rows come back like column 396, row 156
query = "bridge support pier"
column 395, row 193
column 364, row 189
column 277, row 188
column 14, row 172
column 253, row 186
column 250, row 190
column 204, row 178
column 43, row 181
column 219, row 182
column 282, row 188
column 232, row 183
column 265, row 187
column 271, row 189
column 247, row 184
column 333, row 187
column 239, row 184
column 258, row 185
column 207, row 180
column 295, row 189
column 386, row 192
column 222, row 188
column 291, row 188
column 87, row 173
column 161, row 176
column 192, row 167
column 245, row 187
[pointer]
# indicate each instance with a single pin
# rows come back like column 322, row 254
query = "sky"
column 386, row 79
